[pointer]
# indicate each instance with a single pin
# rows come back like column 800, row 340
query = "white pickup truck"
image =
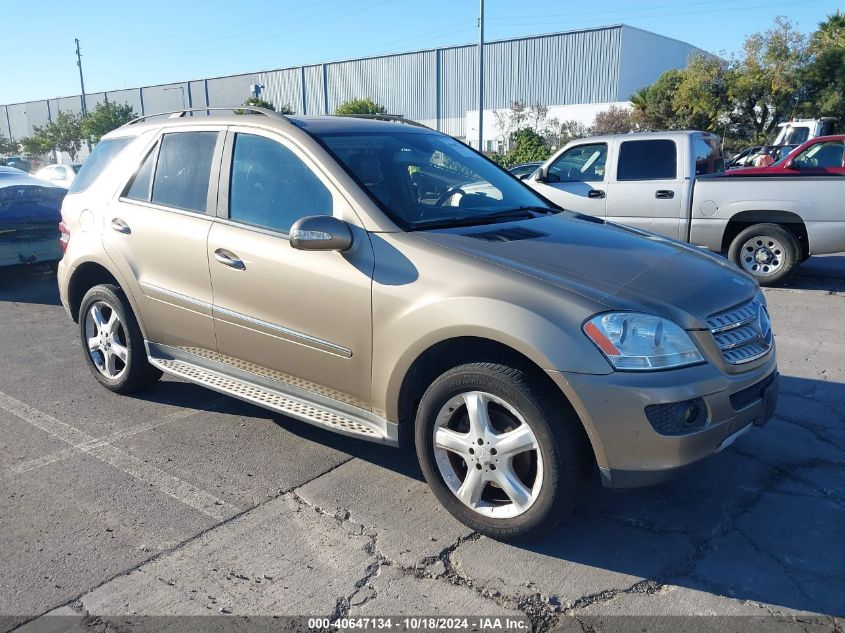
column 670, row 183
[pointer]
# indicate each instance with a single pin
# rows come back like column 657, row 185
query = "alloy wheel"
column 488, row 455
column 106, row 339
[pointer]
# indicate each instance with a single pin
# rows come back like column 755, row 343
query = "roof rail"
column 388, row 117
column 177, row 114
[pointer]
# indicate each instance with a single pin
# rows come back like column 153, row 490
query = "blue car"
column 30, row 212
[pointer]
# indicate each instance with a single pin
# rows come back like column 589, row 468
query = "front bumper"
column 629, row 451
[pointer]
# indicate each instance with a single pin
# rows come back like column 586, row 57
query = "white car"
column 59, row 175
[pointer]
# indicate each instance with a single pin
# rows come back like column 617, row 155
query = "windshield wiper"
column 518, row 213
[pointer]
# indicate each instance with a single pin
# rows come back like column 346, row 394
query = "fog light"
column 677, row 418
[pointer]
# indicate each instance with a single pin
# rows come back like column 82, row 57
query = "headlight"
column 634, row 341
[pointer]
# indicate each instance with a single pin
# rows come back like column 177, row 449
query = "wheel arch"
column 788, row 220
column 88, row 274
column 459, row 350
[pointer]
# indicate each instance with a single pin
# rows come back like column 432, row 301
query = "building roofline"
column 352, row 59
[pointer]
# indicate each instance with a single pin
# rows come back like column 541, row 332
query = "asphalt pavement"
column 179, row 501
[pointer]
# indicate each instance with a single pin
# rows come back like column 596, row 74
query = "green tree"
column 64, row 134
column 6, row 145
column 764, row 80
column 654, row 106
column 526, row 146
column 701, row 99
column 824, row 76
column 107, row 116
column 35, row 145
column 360, row 106
column 258, row 102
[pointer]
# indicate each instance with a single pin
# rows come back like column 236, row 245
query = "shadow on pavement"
column 756, row 522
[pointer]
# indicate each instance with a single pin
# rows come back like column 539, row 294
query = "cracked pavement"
column 180, row 502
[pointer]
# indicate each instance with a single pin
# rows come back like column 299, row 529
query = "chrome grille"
column 743, row 333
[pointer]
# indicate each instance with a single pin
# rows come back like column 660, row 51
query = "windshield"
column 427, row 180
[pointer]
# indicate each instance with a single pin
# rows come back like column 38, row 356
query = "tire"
column 767, row 251
column 116, row 354
column 561, row 456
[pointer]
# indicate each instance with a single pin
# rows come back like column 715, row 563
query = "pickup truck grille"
column 743, row 333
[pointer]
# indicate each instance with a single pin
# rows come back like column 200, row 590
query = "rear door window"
column 94, row 165
column 648, row 160
column 183, row 170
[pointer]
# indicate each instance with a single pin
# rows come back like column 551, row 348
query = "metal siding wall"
column 283, row 87
column 403, row 84
column 228, row 91
column 561, row 69
column 130, row 96
column 314, row 89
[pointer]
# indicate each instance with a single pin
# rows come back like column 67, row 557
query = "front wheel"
column 767, row 251
column 498, row 452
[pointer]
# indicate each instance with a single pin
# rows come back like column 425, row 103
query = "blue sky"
column 127, row 44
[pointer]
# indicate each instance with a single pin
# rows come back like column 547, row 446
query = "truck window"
column 582, row 163
column 648, row 160
column 708, row 156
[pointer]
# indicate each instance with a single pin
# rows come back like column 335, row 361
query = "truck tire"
column 767, row 251
column 112, row 341
column 501, row 456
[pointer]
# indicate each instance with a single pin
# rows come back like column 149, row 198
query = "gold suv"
column 379, row 279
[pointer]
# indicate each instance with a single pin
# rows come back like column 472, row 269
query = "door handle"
column 228, row 258
column 595, row 193
column 664, row 194
column 120, row 226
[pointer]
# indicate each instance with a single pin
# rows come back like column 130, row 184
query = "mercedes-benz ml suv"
column 384, row 281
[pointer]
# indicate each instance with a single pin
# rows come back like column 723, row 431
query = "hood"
column 616, row 266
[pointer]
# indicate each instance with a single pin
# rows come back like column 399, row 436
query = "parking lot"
column 179, row 501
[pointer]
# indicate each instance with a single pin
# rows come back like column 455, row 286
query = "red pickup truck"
column 819, row 156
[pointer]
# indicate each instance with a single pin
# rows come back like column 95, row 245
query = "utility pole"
column 81, row 81
column 481, row 77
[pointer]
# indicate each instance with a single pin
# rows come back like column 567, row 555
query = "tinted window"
column 97, row 161
column 140, row 187
column 425, row 179
column 582, row 163
column 647, row 160
column 708, row 156
column 184, row 167
column 271, row 187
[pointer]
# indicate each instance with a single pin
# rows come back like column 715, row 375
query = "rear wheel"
column 498, row 453
column 767, row 251
column 113, row 341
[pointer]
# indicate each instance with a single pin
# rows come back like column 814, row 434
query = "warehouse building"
column 575, row 73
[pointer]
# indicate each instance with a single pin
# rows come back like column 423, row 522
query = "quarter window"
column 140, row 187
column 582, row 163
column 648, row 160
column 184, row 166
column 271, row 187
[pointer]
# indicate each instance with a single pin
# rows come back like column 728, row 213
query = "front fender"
column 553, row 341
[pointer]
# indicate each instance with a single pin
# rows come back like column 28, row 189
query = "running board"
column 338, row 417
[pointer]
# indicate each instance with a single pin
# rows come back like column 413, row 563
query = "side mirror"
column 790, row 164
column 320, row 233
column 542, row 174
